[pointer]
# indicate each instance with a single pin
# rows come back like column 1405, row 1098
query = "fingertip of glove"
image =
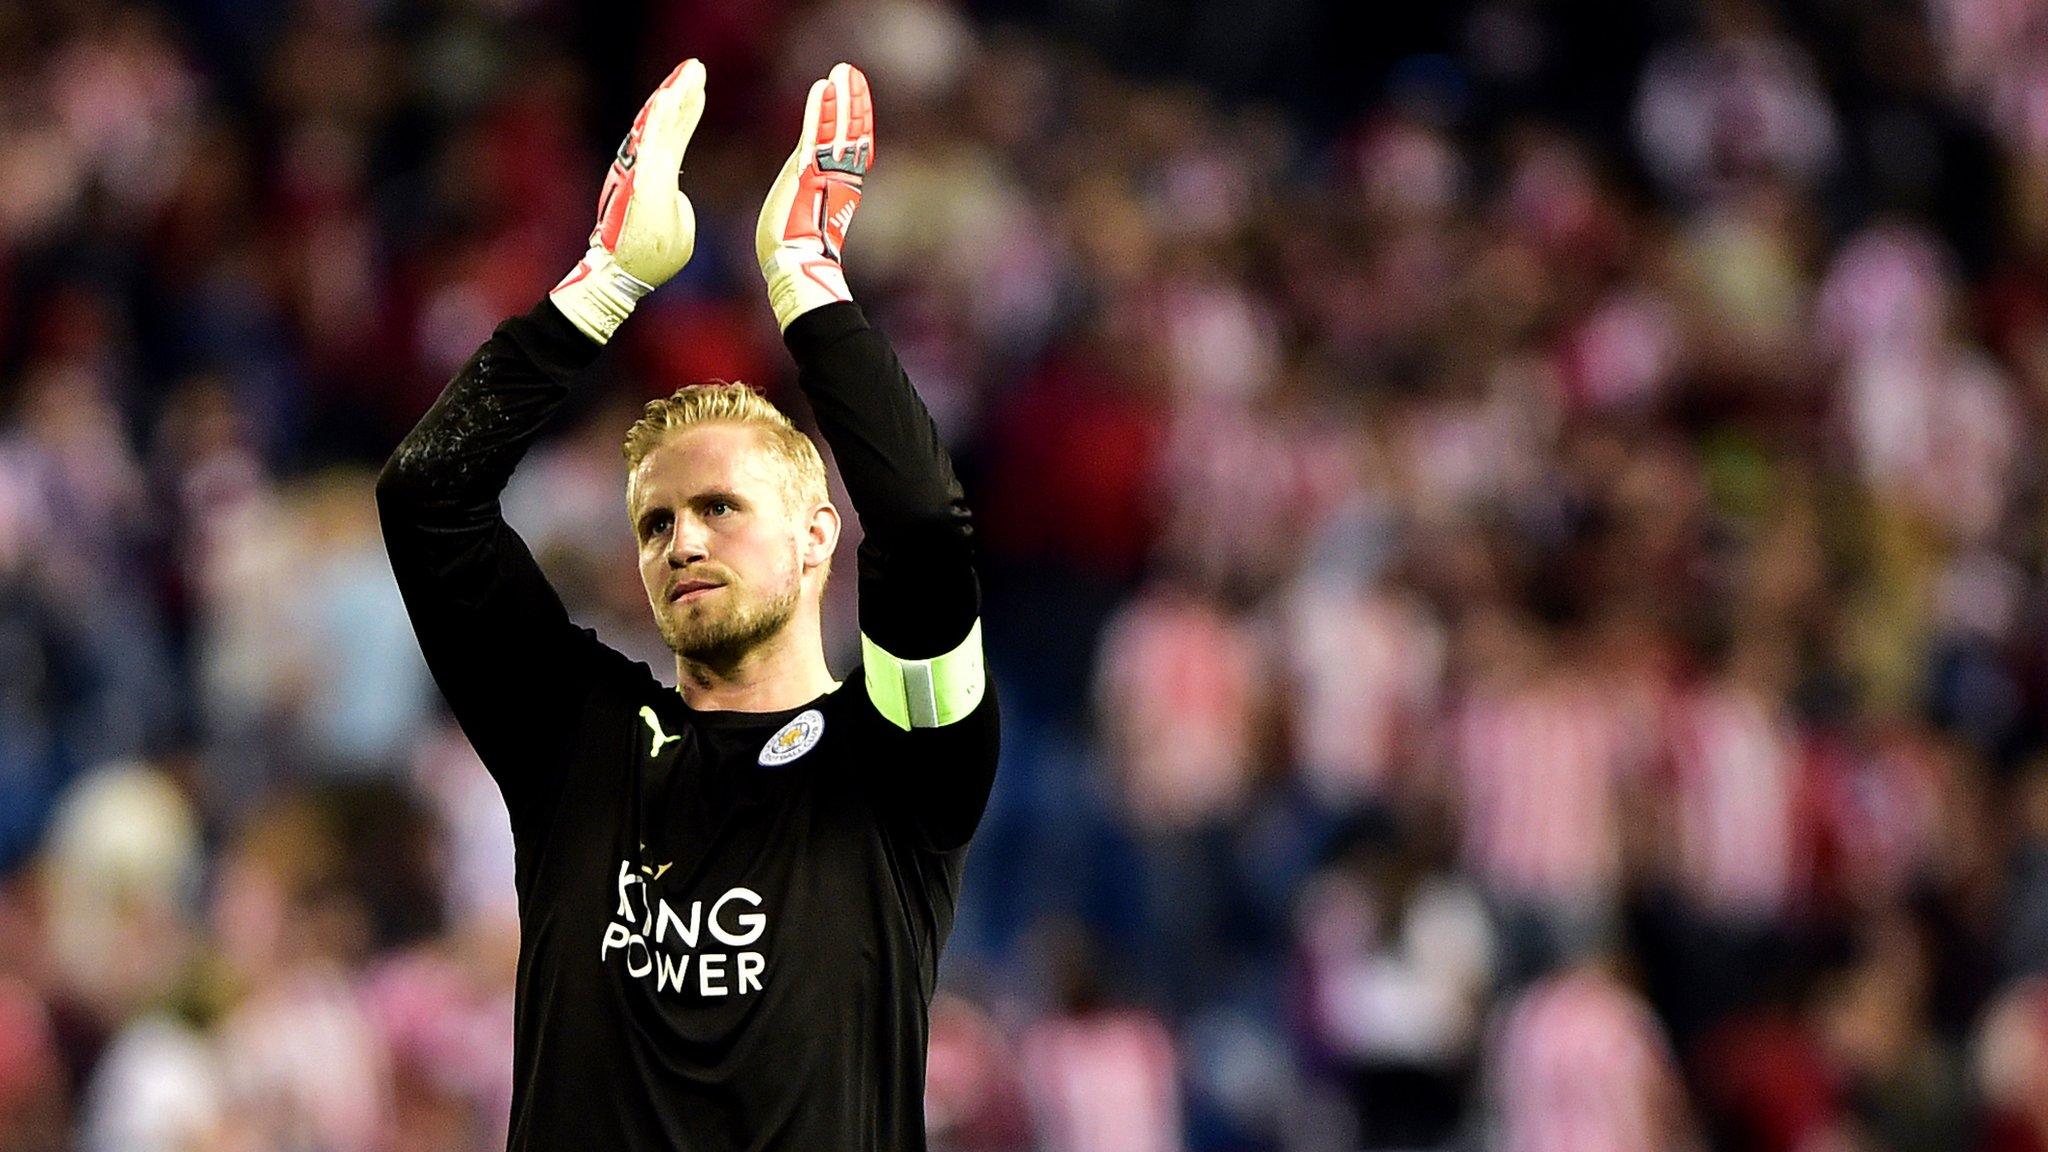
column 674, row 110
column 683, row 91
column 691, row 104
column 686, row 74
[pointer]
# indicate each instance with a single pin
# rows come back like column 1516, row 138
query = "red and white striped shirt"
column 1178, row 691
column 1540, row 770
column 1106, row 1082
column 1364, row 671
column 1583, row 1066
column 1735, row 777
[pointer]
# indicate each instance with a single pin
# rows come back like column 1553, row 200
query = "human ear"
column 821, row 536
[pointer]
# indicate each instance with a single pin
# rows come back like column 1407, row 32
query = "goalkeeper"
column 732, row 896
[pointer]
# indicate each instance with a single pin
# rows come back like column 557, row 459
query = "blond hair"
column 720, row 402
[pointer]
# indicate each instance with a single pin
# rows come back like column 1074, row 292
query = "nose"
column 687, row 545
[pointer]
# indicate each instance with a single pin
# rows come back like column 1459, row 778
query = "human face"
column 723, row 556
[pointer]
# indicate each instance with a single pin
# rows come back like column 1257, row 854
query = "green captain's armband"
column 925, row 693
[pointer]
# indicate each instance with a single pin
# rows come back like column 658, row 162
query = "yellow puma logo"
column 654, row 725
column 654, row 873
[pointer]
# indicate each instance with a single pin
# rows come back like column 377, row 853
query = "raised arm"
column 496, row 637
column 514, row 669
column 920, row 601
column 919, row 598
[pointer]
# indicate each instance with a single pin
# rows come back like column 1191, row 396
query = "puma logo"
column 659, row 737
column 652, row 872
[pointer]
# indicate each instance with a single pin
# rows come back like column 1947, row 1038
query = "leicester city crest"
column 793, row 739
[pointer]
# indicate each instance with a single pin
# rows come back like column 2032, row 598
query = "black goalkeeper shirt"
column 729, row 921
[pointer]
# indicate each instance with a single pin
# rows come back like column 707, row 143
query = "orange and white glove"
column 802, row 229
column 646, row 228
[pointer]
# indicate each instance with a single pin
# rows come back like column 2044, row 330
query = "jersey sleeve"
column 513, row 667
column 920, row 601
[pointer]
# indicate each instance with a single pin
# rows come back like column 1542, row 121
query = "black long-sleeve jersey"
column 729, row 921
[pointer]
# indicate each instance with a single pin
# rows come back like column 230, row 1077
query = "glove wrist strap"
column 599, row 300
column 800, row 281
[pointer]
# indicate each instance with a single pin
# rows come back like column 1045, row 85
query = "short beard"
column 726, row 640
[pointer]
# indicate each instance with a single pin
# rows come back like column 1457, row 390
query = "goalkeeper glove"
column 803, row 225
column 646, row 228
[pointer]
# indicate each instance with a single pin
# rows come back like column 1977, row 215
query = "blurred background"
column 1514, row 550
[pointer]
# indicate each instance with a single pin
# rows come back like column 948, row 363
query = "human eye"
column 719, row 506
column 654, row 524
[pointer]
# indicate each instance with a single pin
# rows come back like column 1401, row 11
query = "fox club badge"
column 793, row 739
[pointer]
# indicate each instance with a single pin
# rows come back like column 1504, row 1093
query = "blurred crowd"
column 1515, row 553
